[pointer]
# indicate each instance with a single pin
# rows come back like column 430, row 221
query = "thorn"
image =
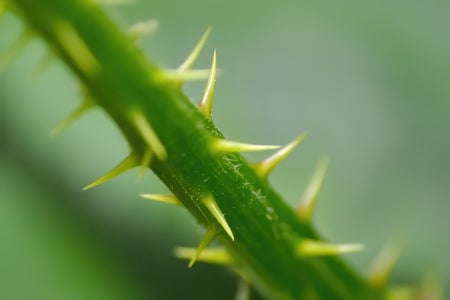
column 76, row 49
column 193, row 56
column 213, row 255
column 15, row 49
column 209, row 236
column 190, row 75
column 264, row 167
column 214, row 209
column 309, row 198
column 170, row 199
column 243, row 291
column 205, row 105
column 145, row 163
column 144, row 28
column 71, row 118
column 309, row 247
column 149, row 135
column 128, row 163
column 384, row 263
column 44, row 62
column 222, row 145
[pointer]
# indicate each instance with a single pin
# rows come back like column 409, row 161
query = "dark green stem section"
column 267, row 231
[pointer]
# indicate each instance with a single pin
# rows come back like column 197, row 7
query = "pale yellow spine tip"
column 205, row 105
column 213, row 255
column 128, row 163
column 170, row 199
column 310, row 196
column 309, row 247
column 15, row 49
column 222, row 145
column 193, row 56
column 264, row 167
column 149, row 135
column 214, row 209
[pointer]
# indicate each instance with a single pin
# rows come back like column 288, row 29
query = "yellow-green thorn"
column 222, row 145
column 186, row 75
column 205, row 105
column 128, row 163
column 193, row 56
column 15, row 49
column 71, row 118
column 264, row 167
column 170, row 199
column 209, row 236
column 141, row 29
column 212, row 255
column 309, row 247
column 383, row 264
column 149, row 135
column 309, row 198
column 214, row 209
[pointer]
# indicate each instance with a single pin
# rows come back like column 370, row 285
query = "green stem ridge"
column 259, row 230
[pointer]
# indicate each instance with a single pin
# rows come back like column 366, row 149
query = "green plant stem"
column 267, row 231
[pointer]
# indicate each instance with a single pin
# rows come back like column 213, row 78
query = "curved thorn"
column 149, row 135
column 222, row 145
column 205, row 105
column 207, row 239
column 170, row 199
column 309, row 247
column 193, row 56
column 71, row 118
column 383, row 264
column 214, row 209
column 309, row 198
column 128, row 163
column 141, row 29
column 15, row 49
column 264, row 167
column 213, row 255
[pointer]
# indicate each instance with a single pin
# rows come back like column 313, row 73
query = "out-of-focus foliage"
column 370, row 82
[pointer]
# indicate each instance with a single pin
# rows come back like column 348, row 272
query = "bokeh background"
column 370, row 81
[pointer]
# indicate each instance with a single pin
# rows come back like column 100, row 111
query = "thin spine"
column 307, row 247
column 311, row 195
column 187, row 75
column 205, row 105
column 195, row 53
column 85, row 106
column 222, row 145
column 214, row 209
column 145, row 162
column 169, row 199
column 128, row 163
column 207, row 239
column 243, row 291
column 264, row 167
column 149, row 135
column 383, row 264
column 211, row 255
column 143, row 28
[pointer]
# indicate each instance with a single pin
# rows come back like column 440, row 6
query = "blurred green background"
column 369, row 81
